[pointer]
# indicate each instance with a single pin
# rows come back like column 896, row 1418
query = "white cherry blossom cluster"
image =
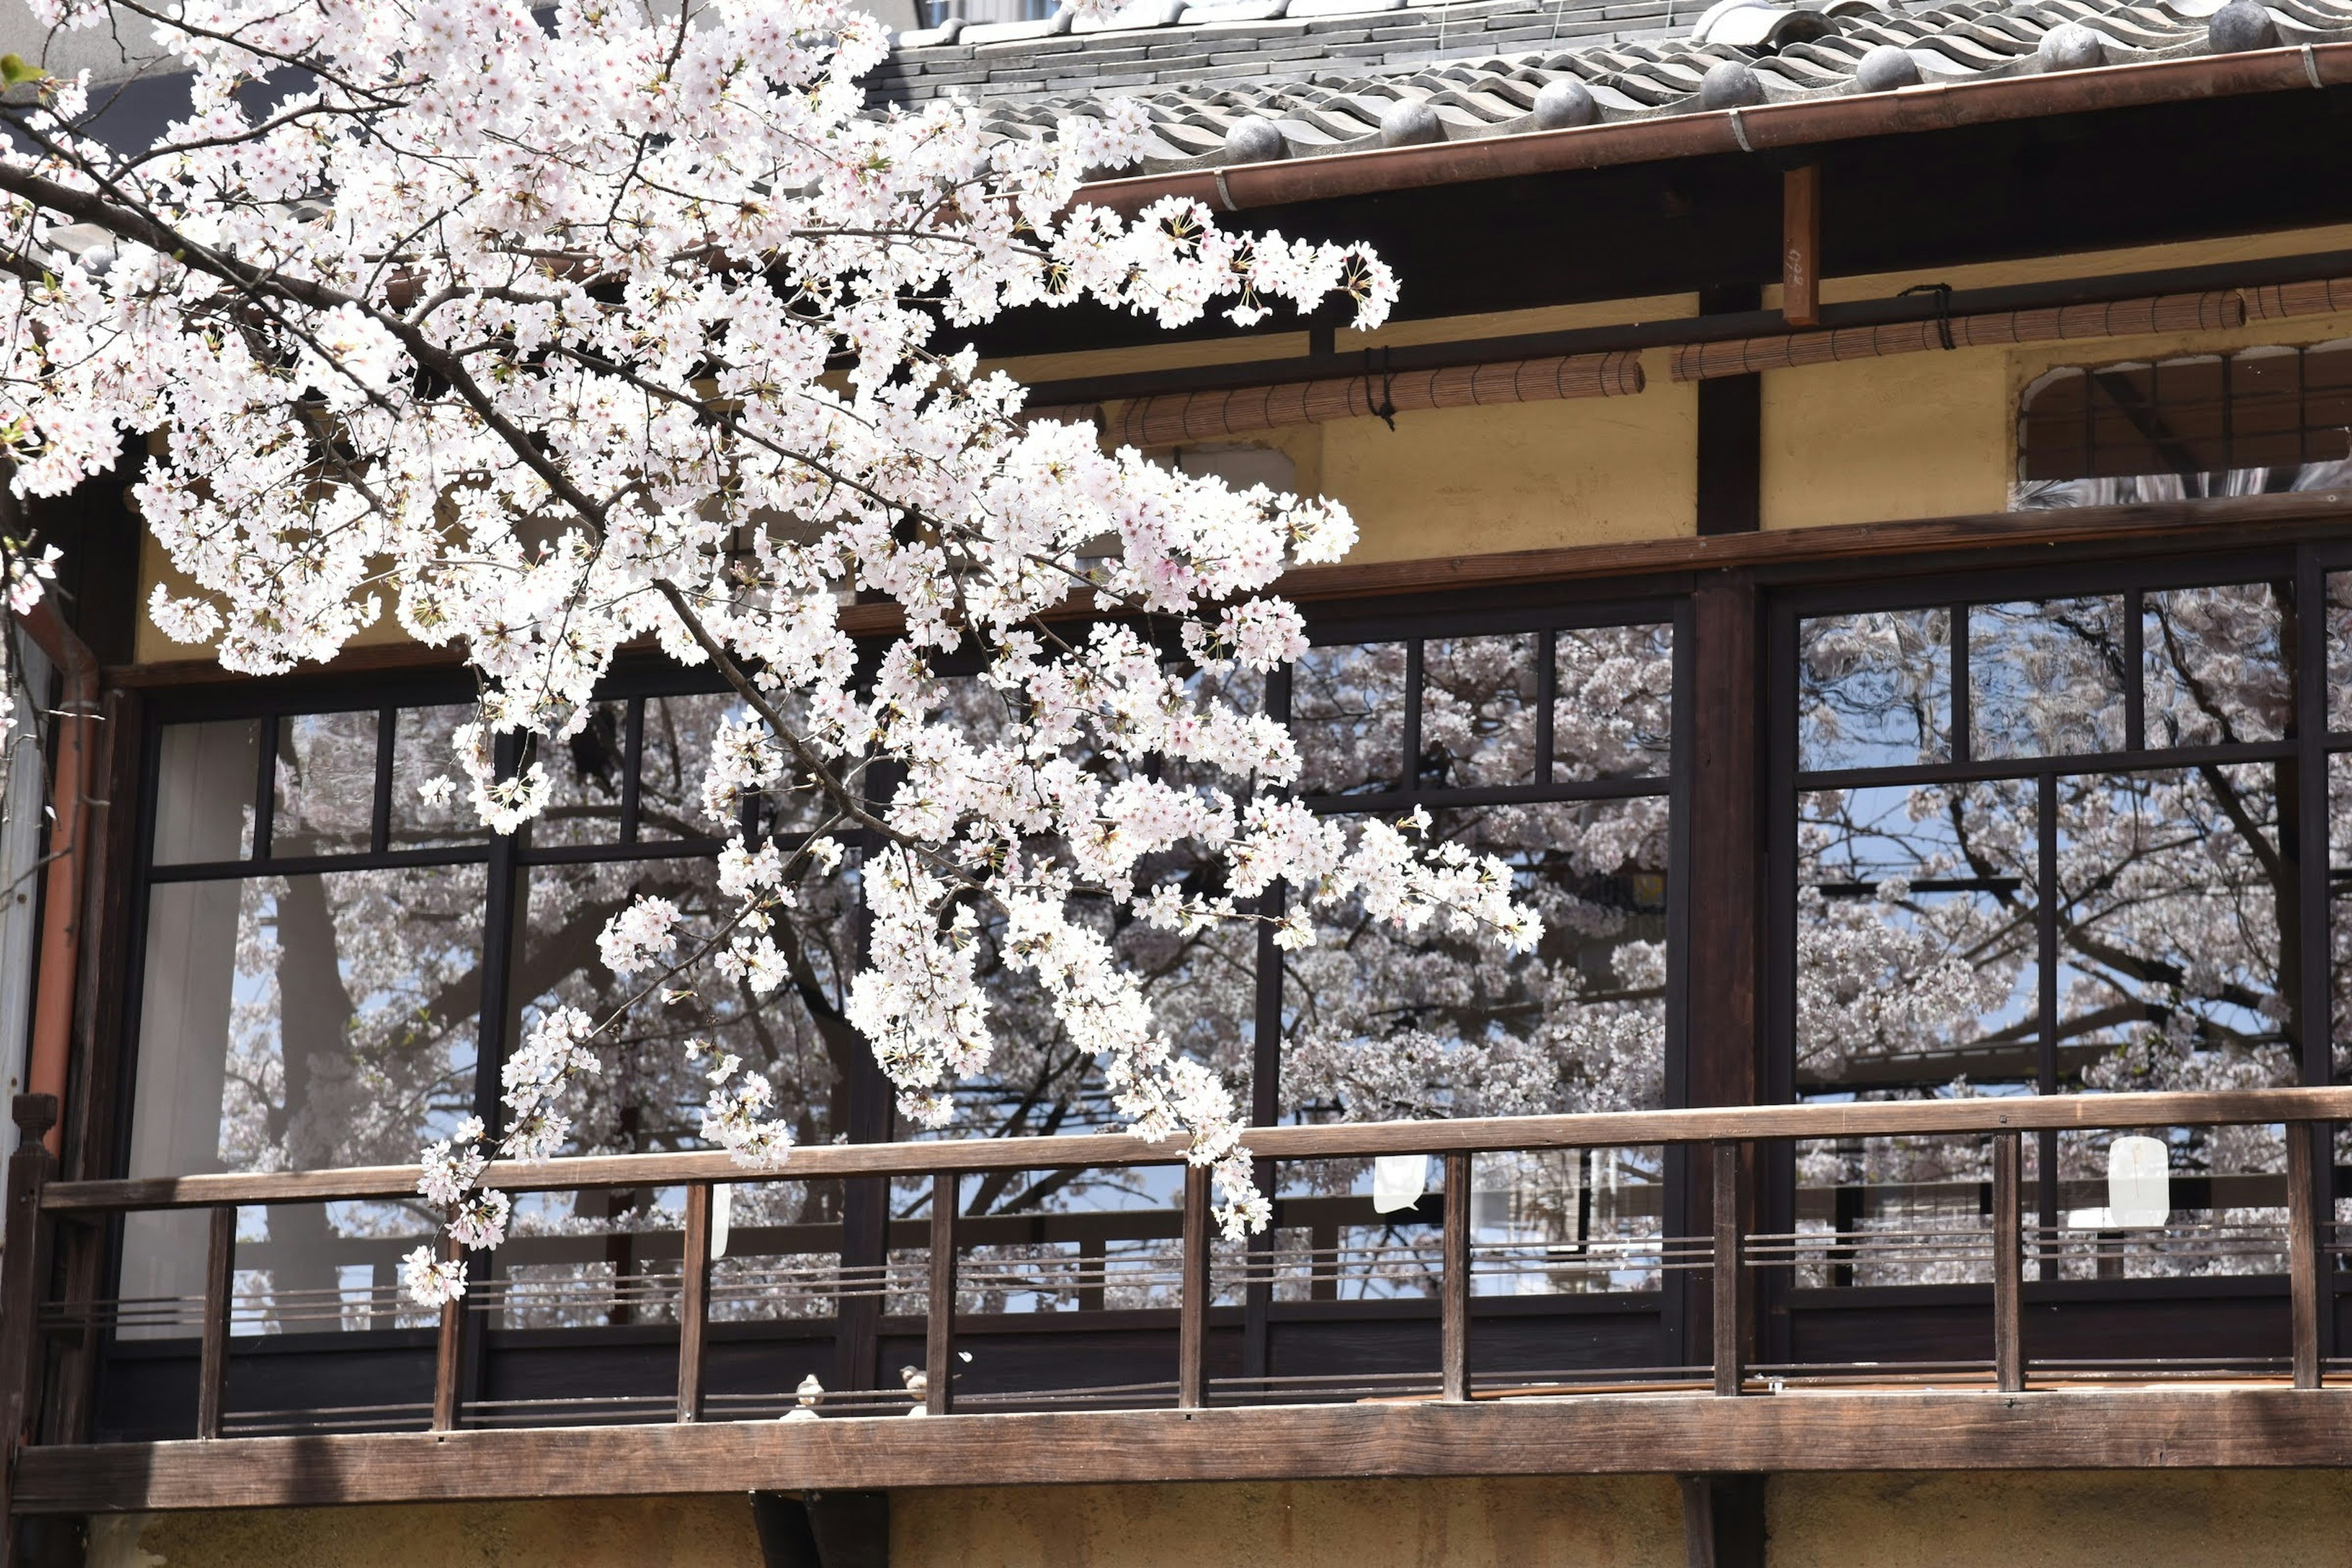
column 633, row 326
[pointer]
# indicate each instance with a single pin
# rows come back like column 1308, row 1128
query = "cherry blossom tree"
column 634, row 327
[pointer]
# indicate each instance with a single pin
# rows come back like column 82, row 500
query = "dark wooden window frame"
column 1903, row 586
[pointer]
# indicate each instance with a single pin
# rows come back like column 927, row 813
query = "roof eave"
column 1763, row 128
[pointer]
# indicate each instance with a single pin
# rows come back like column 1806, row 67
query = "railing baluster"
column 2303, row 1253
column 1453, row 1282
column 2008, row 1264
column 447, row 1350
column 1192, row 1302
column 24, row 1266
column 938, row 1331
column 693, row 1300
column 1730, row 1280
column 220, row 1274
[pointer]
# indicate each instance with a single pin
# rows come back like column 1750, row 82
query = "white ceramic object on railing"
column 2139, row 1188
column 1399, row 1181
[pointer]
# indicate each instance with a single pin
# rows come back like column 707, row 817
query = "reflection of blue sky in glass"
column 1873, row 690
column 2169, row 923
column 1917, row 931
column 2046, row 676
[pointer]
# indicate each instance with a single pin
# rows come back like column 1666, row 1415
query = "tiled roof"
column 1224, row 81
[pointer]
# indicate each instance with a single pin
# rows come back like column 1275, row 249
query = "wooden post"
column 220, row 1276
column 938, row 1329
column 1192, row 1298
column 1094, row 1273
column 448, row 1351
column 2008, row 1264
column 1731, row 1281
column 693, row 1300
column 1800, row 245
column 24, row 1266
column 2303, row 1253
column 1453, row 1282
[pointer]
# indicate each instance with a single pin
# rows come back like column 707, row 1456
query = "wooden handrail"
column 1331, row 1142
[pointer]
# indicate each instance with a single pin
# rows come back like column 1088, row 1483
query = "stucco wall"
column 2247, row 1519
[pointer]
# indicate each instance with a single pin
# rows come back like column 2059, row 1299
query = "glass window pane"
column 1478, row 711
column 649, row 1095
column 2169, row 929
column 421, row 753
column 587, row 771
column 1875, row 691
column 2046, row 676
column 323, row 795
column 1347, row 713
column 1917, row 947
column 1381, row 1024
column 2339, row 651
column 204, row 791
column 2339, row 904
column 1896, row 1211
column 300, row 1023
column 1612, row 702
column 2213, row 664
column 678, row 735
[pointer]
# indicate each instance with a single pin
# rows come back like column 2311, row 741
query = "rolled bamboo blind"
column 2214, row 310
column 1175, row 418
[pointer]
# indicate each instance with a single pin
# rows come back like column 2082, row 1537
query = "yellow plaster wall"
column 1935, row 433
column 2244, row 1518
column 1518, row 476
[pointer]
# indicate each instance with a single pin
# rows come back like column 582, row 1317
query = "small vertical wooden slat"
column 1800, row 245
column 1094, row 1273
column 1192, row 1303
column 23, row 1266
column 1730, row 1280
column 2303, row 1253
column 2007, row 1263
column 448, row 1352
column 220, row 1274
column 693, row 1300
column 938, row 1329
column 1453, row 1284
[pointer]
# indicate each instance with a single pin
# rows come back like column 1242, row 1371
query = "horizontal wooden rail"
column 1333, row 1142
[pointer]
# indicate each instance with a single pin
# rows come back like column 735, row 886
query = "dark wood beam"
column 1730, row 433
column 2187, row 1428
column 1800, row 245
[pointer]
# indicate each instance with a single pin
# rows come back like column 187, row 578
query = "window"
column 2042, row 837
column 2263, row 419
column 330, row 956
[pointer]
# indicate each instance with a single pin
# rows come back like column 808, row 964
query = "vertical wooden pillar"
column 448, row 1353
column 1192, row 1299
column 1453, row 1283
column 220, row 1276
column 939, row 1328
column 1730, row 433
column 2008, row 1265
column 1730, row 1280
column 693, row 1300
column 1800, row 245
column 1721, row 801
column 2303, row 1255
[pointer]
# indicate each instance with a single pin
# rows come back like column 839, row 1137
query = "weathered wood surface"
column 1600, row 1433
column 1474, row 1135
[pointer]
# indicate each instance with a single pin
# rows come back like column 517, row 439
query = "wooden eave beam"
column 1800, row 245
column 1591, row 1434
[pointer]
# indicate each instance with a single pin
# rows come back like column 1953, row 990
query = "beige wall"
column 2245, row 1519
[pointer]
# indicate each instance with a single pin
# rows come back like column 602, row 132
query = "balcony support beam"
column 1654, row 1433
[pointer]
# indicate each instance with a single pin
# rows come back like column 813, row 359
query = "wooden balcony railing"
column 1720, row 1141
